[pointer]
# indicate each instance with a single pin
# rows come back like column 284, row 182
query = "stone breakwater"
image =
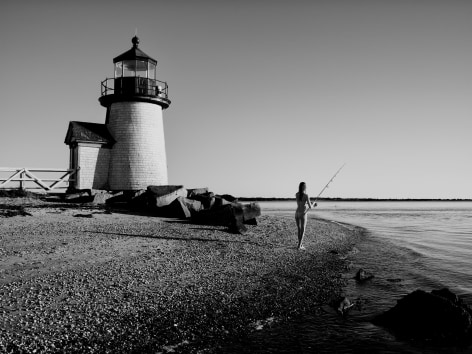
column 123, row 282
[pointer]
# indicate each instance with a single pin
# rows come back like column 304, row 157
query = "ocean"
column 408, row 245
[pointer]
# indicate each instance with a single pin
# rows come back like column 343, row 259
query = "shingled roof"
column 88, row 132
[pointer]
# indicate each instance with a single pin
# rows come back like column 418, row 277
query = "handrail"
column 141, row 86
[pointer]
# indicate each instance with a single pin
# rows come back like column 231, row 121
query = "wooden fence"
column 27, row 178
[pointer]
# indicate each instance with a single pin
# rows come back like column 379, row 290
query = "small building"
column 128, row 151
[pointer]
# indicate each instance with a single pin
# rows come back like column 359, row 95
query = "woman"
column 303, row 204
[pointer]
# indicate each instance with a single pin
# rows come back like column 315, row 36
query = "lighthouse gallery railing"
column 135, row 86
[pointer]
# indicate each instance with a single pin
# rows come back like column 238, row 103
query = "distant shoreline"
column 273, row 199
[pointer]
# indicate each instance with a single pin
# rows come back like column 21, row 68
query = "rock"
column 233, row 215
column 237, row 222
column 178, row 209
column 160, row 196
column 251, row 222
column 229, row 198
column 439, row 317
column 139, row 199
column 251, row 211
column 220, row 217
column 220, row 201
column 362, row 275
column 196, row 191
column 344, row 305
column 100, row 196
column 117, row 197
column 79, row 196
column 193, row 205
column 207, row 199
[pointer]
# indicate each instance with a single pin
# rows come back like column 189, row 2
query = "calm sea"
column 421, row 245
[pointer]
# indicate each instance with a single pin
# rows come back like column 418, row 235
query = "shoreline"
column 276, row 199
column 76, row 277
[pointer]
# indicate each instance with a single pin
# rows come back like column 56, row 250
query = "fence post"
column 21, row 180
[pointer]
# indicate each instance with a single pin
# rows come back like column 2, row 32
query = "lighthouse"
column 127, row 152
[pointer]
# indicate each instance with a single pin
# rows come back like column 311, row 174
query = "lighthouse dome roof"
column 134, row 53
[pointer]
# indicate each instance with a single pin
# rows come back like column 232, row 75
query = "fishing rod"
column 331, row 180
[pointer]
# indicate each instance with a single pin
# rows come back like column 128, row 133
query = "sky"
column 265, row 94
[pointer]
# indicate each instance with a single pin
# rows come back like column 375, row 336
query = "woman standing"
column 303, row 205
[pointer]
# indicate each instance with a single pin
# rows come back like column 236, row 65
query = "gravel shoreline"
column 77, row 278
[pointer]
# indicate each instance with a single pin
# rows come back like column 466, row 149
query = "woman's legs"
column 301, row 226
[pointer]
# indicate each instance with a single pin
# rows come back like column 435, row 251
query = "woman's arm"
column 309, row 202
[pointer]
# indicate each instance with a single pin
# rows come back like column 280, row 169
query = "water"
column 408, row 246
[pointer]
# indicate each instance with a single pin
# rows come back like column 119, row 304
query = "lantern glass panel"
column 141, row 68
column 129, row 68
column 152, row 71
column 119, row 69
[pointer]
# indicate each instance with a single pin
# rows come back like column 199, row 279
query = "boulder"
column 178, row 209
column 220, row 201
column 219, row 217
column 439, row 317
column 160, row 196
column 207, row 199
column 237, row 222
column 343, row 305
column 194, row 206
column 229, row 198
column 100, row 196
column 126, row 198
column 79, row 196
column 196, row 191
column 139, row 200
column 117, row 197
column 233, row 215
column 250, row 212
column 251, row 222
column 362, row 276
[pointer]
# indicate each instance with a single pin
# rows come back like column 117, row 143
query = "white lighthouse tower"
column 128, row 152
column 134, row 100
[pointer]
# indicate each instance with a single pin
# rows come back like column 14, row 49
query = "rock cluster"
column 199, row 204
column 439, row 317
column 202, row 206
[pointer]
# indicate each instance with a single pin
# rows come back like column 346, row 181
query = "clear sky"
column 265, row 94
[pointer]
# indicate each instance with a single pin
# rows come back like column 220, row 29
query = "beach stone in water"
column 439, row 317
column 362, row 275
column 344, row 305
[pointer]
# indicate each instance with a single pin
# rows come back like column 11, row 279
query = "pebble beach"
column 83, row 278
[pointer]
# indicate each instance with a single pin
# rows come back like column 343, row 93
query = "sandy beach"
column 82, row 278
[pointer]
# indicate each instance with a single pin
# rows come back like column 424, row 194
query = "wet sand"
column 77, row 278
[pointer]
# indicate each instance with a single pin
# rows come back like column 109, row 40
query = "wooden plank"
column 13, row 176
column 12, row 169
column 37, row 180
column 69, row 173
column 33, row 179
